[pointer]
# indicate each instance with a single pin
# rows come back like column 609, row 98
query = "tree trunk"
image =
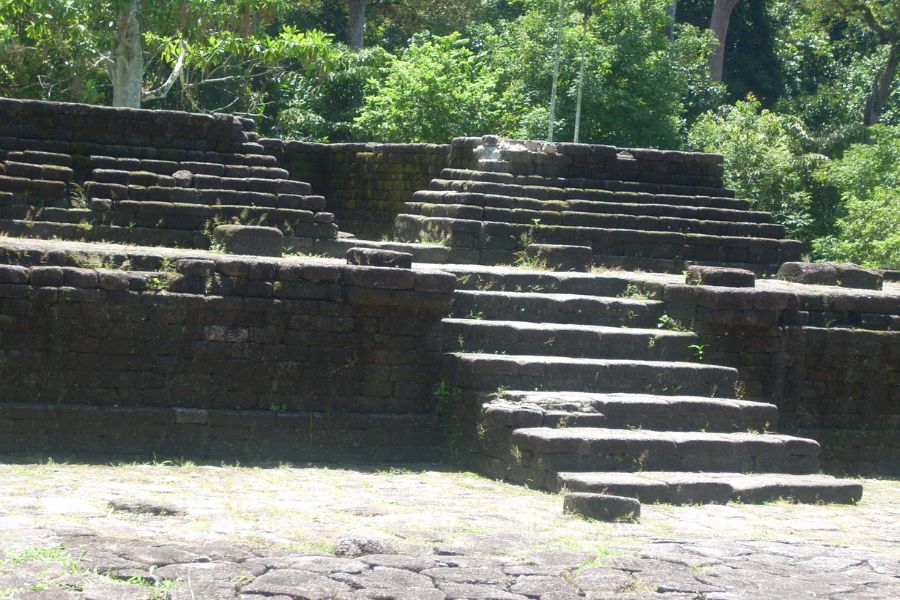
column 356, row 29
column 670, row 28
column 882, row 87
column 721, row 15
column 128, row 58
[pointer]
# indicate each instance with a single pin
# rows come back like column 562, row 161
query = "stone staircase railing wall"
column 368, row 184
column 829, row 360
column 217, row 357
column 74, row 171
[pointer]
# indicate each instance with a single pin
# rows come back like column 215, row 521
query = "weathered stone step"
column 595, row 449
column 582, row 341
column 151, row 180
column 555, row 308
column 585, row 183
column 207, row 197
column 514, row 279
column 33, row 188
column 500, row 240
column 616, row 203
column 37, row 171
column 35, row 157
column 653, row 411
column 128, row 152
column 715, row 488
column 489, row 372
column 197, row 167
column 572, row 218
column 604, row 191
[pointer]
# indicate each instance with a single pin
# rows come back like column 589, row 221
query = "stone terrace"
column 637, row 209
column 607, row 382
column 148, row 177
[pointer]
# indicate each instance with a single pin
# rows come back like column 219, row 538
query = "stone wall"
column 306, row 342
column 829, row 359
column 367, row 184
column 598, row 162
column 88, row 124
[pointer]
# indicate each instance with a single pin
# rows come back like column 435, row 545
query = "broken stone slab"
column 840, row 274
column 602, row 507
column 371, row 257
column 561, row 257
column 250, row 240
column 719, row 276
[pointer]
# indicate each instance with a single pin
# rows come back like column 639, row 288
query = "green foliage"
column 868, row 179
column 636, row 82
column 435, row 90
column 767, row 161
column 323, row 107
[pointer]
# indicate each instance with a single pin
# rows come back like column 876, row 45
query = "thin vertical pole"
column 581, row 76
column 558, row 58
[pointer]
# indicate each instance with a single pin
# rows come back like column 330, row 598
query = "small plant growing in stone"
column 434, row 236
column 634, row 292
column 698, row 351
column 670, row 323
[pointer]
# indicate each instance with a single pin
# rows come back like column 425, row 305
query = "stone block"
column 562, row 257
column 840, row 274
column 719, row 276
column 370, row 257
column 256, row 241
column 13, row 274
column 602, row 507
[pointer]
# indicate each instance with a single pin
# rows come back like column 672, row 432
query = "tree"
column 718, row 23
column 881, row 17
column 134, row 51
column 767, row 161
column 356, row 23
column 435, row 90
column 868, row 181
column 636, row 85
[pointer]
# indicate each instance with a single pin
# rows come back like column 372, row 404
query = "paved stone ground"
column 195, row 532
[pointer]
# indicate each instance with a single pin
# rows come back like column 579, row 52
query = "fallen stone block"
column 243, row 239
column 370, row 257
column 561, row 257
column 602, row 507
column 719, row 276
column 839, row 274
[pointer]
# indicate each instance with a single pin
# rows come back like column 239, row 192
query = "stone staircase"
column 507, row 203
column 586, row 392
column 59, row 179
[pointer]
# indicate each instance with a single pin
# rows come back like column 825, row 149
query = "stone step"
column 89, row 149
column 499, row 241
column 653, row 411
column 615, row 203
column 172, row 215
column 198, row 167
column 35, row 157
column 514, row 279
column 571, row 218
column 597, row 188
column 714, row 488
column 37, row 171
column 27, row 188
column 555, row 308
column 581, row 341
column 579, row 449
column 208, row 197
column 148, row 179
column 490, row 372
